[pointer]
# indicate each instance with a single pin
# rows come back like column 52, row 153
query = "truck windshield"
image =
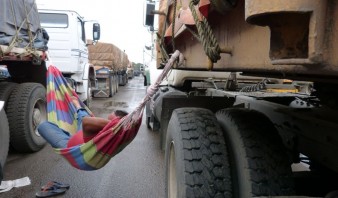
column 53, row 20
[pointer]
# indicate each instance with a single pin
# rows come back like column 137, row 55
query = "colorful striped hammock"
column 112, row 139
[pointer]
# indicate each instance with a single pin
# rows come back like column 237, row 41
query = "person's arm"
column 93, row 125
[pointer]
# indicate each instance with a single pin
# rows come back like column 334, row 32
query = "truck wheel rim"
column 172, row 187
column 39, row 115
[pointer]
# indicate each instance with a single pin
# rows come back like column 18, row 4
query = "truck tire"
column 1, row 174
column 26, row 109
column 196, row 160
column 6, row 89
column 4, row 140
column 110, row 87
column 116, row 83
column 259, row 162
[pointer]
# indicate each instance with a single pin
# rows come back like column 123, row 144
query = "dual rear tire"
column 238, row 153
column 258, row 159
column 194, row 154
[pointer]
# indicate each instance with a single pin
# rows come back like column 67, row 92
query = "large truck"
column 110, row 56
column 123, row 63
column 110, row 64
column 24, row 62
column 225, row 135
column 130, row 71
column 68, row 48
column 104, row 57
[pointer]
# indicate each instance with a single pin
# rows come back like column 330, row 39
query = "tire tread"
column 19, row 125
column 205, row 159
column 268, row 164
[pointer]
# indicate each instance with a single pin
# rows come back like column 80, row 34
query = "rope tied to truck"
column 164, row 53
column 108, row 142
column 209, row 41
column 204, row 34
column 16, row 38
column 20, row 30
column 173, row 25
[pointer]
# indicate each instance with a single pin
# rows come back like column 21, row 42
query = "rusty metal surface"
column 293, row 39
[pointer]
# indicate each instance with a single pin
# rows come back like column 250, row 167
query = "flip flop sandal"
column 55, row 184
column 51, row 191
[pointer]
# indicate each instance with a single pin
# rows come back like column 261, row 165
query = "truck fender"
column 88, row 80
column 88, row 72
column 173, row 100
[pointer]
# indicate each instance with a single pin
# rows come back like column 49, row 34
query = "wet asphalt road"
column 137, row 171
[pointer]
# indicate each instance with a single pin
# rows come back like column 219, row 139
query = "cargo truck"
column 110, row 64
column 225, row 135
column 110, row 56
column 68, row 48
column 24, row 62
column 106, row 82
column 130, row 72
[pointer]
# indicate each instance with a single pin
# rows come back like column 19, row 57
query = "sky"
column 121, row 21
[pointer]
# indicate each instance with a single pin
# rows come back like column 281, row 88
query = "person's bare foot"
column 76, row 103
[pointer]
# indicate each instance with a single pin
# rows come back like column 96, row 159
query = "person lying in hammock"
column 87, row 127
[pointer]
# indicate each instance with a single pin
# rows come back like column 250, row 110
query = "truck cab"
column 67, row 48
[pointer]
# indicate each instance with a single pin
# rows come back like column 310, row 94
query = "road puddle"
column 115, row 104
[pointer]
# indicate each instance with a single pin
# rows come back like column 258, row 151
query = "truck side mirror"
column 149, row 15
column 96, row 31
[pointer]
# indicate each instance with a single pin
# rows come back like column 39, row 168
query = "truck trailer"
column 108, row 56
column 224, row 133
column 110, row 64
column 24, row 59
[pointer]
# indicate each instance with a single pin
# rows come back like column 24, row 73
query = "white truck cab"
column 67, row 47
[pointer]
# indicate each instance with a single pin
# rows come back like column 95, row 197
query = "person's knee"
column 45, row 127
